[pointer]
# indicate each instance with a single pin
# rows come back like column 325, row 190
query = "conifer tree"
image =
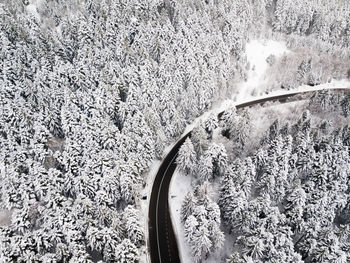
column 187, row 158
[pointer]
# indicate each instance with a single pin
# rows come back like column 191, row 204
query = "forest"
column 91, row 93
column 283, row 199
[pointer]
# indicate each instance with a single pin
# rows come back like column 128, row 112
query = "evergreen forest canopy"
column 92, row 91
column 287, row 200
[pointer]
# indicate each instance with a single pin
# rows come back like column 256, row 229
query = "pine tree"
column 79, row 255
column 210, row 125
column 233, row 203
column 267, row 181
column 228, row 122
column 218, row 237
column 345, row 105
column 205, row 212
column 254, row 247
column 128, row 183
column 126, row 252
column 201, row 244
column 133, row 227
column 273, row 130
column 199, row 140
column 205, row 169
column 95, row 239
column 187, row 159
column 190, row 227
column 217, row 154
column 304, row 71
column 236, row 258
column 295, row 206
column 188, row 206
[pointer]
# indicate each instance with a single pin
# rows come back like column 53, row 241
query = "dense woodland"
column 287, row 200
column 92, row 91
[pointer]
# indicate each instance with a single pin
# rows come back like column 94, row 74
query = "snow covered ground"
column 146, row 192
column 144, row 204
column 254, row 88
column 5, row 217
column 180, row 185
column 32, row 8
column 257, row 52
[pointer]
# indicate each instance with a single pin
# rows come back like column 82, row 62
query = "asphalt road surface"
column 162, row 240
column 161, row 235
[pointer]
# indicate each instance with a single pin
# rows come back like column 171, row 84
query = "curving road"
column 161, row 235
column 162, row 240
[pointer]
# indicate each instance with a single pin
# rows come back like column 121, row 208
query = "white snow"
column 264, row 116
column 220, row 106
column 144, row 204
column 257, row 52
column 333, row 84
column 146, row 191
column 177, row 194
column 5, row 217
column 180, row 184
column 176, row 197
column 32, row 8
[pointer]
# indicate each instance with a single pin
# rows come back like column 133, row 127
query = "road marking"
column 239, row 106
column 160, row 187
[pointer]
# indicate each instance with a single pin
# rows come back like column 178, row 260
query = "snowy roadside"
column 144, row 204
column 257, row 54
column 146, row 192
column 226, row 104
column 180, row 185
column 334, row 84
